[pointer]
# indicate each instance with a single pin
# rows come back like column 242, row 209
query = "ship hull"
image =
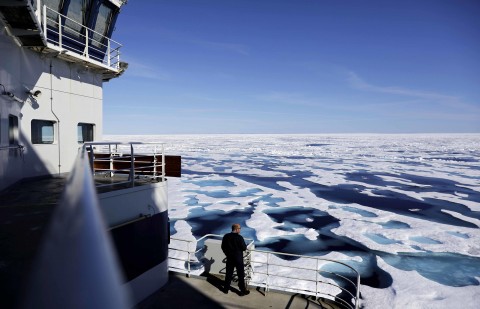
column 138, row 218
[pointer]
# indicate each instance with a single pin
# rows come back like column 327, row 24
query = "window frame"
column 13, row 131
column 38, row 138
column 90, row 127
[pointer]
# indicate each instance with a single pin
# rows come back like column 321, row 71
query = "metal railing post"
column 268, row 276
column 110, row 160
column 108, row 52
column 59, row 30
column 163, row 163
column 357, row 298
column 44, row 18
column 316, row 280
column 92, row 158
column 86, row 43
column 188, row 259
column 155, row 162
column 132, row 165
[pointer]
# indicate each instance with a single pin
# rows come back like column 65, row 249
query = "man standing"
column 233, row 245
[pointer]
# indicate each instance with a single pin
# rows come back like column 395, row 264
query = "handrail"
column 110, row 50
column 18, row 147
column 125, row 162
column 318, row 271
column 272, row 270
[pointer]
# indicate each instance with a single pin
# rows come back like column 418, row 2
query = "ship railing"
column 65, row 34
column 271, row 270
column 182, row 253
column 12, row 147
column 308, row 275
column 134, row 161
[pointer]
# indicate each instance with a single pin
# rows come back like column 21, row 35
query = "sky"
column 296, row 66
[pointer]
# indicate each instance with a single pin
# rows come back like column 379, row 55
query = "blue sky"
column 296, row 66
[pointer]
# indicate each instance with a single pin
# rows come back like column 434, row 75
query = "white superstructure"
column 54, row 57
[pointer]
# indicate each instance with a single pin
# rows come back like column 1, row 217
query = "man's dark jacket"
column 233, row 246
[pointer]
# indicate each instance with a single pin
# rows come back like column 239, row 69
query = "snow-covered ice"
column 402, row 209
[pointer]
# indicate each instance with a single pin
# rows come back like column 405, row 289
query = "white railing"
column 137, row 161
column 184, row 253
column 10, row 147
column 308, row 275
column 86, row 43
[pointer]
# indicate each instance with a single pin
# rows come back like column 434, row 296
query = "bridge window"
column 52, row 16
column 42, row 131
column 102, row 26
column 85, row 132
column 77, row 19
column 13, row 130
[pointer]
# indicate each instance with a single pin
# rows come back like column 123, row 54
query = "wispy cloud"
column 290, row 98
column 357, row 82
column 140, row 69
column 232, row 47
column 237, row 48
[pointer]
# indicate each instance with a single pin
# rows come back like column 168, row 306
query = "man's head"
column 236, row 228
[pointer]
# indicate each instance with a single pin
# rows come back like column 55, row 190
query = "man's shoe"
column 243, row 293
column 225, row 291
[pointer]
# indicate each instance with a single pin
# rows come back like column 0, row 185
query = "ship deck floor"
column 25, row 211
column 205, row 292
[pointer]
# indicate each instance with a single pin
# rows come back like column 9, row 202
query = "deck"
column 25, row 210
column 205, row 292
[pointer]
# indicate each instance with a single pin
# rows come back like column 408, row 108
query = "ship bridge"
column 77, row 31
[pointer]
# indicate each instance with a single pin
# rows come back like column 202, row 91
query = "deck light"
column 35, row 94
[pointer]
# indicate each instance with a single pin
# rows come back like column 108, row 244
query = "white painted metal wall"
column 70, row 94
column 121, row 206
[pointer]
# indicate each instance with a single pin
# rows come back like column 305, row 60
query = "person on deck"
column 233, row 245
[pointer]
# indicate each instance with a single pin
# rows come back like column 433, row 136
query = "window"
column 42, row 132
column 12, row 130
column 102, row 26
column 85, row 132
column 52, row 16
column 76, row 14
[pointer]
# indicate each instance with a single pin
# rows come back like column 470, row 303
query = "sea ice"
column 249, row 175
